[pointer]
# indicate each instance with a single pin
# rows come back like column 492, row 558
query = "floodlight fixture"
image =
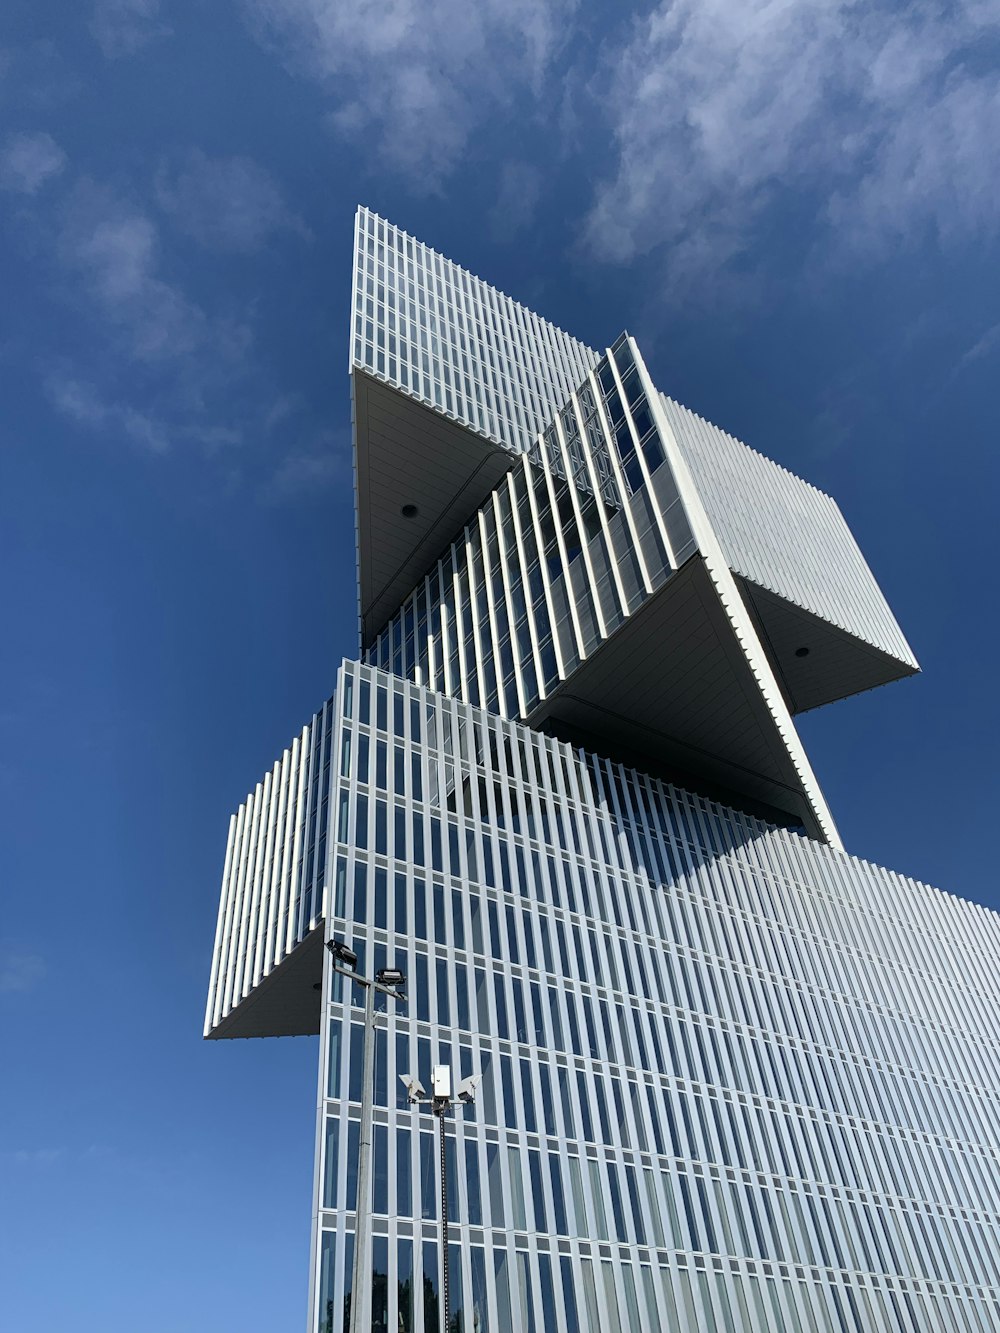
column 415, row 1090
column 391, row 976
column 467, row 1088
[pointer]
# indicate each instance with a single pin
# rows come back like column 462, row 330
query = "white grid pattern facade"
column 783, row 534
column 275, row 869
column 448, row 339
column 731, row 1078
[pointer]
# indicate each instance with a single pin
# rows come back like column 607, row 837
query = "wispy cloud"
column 311, row 470
column 417, row 77
column 517, row 199
column 123, row 27
column 880, row 125
column 984, row 347
column 150, row 363
column 80, row 402
column 36, row 77
column 28, row 160
column 20, row 972
column 112, row 246
column 227, row 203
column 34, row 1157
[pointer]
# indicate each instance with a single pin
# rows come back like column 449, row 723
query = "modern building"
column 733, row 1078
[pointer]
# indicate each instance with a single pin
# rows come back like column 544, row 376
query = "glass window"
column 380, row 1170
column 432, row 1316
column 502, row 1272
column 327, row 1273
column 404, row 1174
column 428, row 1176
column 526, row 1301
column 404, row 1286
column 330, row 1161
column 519, row 1220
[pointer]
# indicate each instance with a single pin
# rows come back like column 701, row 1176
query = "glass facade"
column 726, row 1083
column 732, row 1078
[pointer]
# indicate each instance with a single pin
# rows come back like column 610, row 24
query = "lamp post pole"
column 441, row 1104
column 439, row 1111
column 388, row 981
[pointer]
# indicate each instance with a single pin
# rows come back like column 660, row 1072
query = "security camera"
column 342, row 953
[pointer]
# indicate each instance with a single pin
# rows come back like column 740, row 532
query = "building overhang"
column 673, row 691
column 420, row 476
column 287, row 1003
column 816, row 662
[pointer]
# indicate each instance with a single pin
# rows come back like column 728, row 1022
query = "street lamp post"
column 441, row 1103
column 388, row 981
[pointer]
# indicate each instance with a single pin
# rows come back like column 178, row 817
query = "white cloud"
column 982, row 349
column 20, row 972
column 113, row 248
column 152, row 364
column 880, row 123
column 36, row 77
column 123, row 27
column 81, row 403
column 414, row 78
column 227, row 203
column 28, row 161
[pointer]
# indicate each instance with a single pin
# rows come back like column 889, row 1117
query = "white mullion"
column 300, row 825
column 560, row 543
column 265, row 835
column 277, row 861
column 543, row 569
column 623, row 493
column 661, row 524
column 595, row 482
column 470, row 567
column 456, row 583
column 287, row 863
column 225, row 903
column 578, row 518
column 447, row 629
column 491, row 612
column 432, row 664
column 265, row 907
column 227, row 965
column 525, row 585
column 522, row 706
column 308, row 754
column 248, row 877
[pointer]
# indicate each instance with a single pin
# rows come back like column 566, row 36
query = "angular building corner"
column 732, row 1077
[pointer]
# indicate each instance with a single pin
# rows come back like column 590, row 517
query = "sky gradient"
column 795, row 209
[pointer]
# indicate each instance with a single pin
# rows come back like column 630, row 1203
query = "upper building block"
column 585, row 554
column 452, row 381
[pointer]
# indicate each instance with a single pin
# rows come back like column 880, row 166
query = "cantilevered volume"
column 732, row 1078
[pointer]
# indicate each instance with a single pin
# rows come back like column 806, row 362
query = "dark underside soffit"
column 836, row 665
column 409, row 455
column 673, row 690
column 286, row 1003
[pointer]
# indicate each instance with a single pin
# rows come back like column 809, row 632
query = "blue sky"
column 796, row 210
